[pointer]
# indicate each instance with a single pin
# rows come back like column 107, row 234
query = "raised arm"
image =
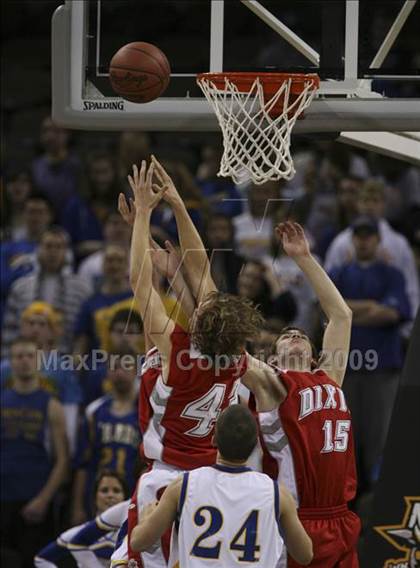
column 195, row 260
column 156, row 322
column 336, row 342
column 168, row 263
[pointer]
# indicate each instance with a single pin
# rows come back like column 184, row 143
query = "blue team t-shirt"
column 25, row 463
column 386, row 285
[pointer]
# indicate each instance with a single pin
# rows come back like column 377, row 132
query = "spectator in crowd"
column 110, row 434
column 87, row 212
column 42, row 324
column 53, row 282
column 258, row 283
column 221, row 194
column 132, row 147
column 329, row 164
column 254, row 227
column 57, row 172
column 116, row 232
column 393, row 247
column 346, row 210
column 18, row 186
column 92, row 324
column 17, row 256
column 125, row 332
column 339, row 161
column 109, row 490
column 402, row 188
column 376, row 294
column 31, row 470
column 225, row 263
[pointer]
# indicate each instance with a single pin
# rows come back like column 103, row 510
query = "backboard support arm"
column 280, row 28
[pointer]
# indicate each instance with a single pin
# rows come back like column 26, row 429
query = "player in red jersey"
column 308, row 442
column 201, row 369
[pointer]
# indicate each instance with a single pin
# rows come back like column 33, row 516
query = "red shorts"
column 334, row 532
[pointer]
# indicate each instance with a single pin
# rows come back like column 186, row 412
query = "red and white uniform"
column 177, row 420
column 186, row 407
column 308, row 445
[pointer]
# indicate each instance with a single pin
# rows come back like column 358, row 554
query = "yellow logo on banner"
column 405, row 536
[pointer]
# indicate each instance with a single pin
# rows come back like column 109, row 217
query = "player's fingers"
column 122, row 204
column 132, row 183
column 149, row 176
column 142, row 173
column 289, row 229
column 156, row 187
column 158, row 195
column 158, row 174
column 156, row 245
column 300, row 230
column 159, row 167
column 135, row 173
column 170, row 247
column 280, row 229
column 132, row 205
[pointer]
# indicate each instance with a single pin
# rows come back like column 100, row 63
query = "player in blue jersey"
column 110, row 434
column 33, row 458
column 94, row 541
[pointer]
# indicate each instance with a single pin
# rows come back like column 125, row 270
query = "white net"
column 256, row 145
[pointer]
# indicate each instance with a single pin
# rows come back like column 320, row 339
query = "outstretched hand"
column 145, row 196
column 165, row 184
column 126, row 210
column 293, row 239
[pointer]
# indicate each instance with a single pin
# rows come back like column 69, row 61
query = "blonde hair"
column 224, row 324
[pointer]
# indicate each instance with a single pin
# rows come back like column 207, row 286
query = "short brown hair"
column 236, row 433
column 21, row 341
column 225, row 324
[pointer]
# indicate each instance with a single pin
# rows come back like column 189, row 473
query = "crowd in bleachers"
column 66, row 298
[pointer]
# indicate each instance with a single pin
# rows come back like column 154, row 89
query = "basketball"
column 139, row 72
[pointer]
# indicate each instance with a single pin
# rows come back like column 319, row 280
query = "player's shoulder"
column 98, row 405
column 65, row 538
column 113, row 518
column 296, row 380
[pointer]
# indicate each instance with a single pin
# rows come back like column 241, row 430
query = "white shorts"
column 150, row 487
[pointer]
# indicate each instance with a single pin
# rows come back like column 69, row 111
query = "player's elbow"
column 344, row 313
column 137, row 540
column 307, row 554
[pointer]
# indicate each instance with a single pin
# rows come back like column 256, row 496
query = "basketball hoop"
column 256, row 112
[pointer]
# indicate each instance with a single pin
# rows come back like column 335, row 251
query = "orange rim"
column 270, row 81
